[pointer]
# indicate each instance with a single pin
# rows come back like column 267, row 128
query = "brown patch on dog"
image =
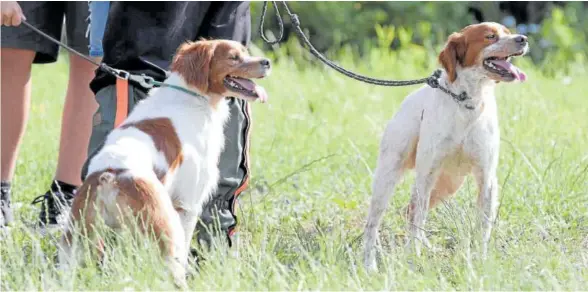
column 445, row 187
column 134, row 194
column 141, row 198
column 453, row 54
column 476, row 38
column 165, row 139
column 179, row 209
column 410, row 160
column 192, row 61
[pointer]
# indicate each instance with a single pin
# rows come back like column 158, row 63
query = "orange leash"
column 122, row 101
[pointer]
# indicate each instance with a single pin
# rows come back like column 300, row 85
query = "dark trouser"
column 233, row 163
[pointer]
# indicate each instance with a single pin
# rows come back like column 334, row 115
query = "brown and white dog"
column 161, row 165
column 445, row 140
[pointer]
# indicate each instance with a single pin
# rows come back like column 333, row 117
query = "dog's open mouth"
column 503, row 67
column 245, row 87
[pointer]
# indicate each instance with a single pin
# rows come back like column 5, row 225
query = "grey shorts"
column 48, row 17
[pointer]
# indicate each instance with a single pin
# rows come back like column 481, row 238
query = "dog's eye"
column 234, row 57
column 491, row 36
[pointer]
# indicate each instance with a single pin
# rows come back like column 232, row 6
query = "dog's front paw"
column 178, row 272
column 418, row 241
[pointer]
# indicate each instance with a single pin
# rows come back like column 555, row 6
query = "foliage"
column 565, row 37
column 333, row 26
column 357, row 27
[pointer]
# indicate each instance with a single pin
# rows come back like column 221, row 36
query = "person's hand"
column 11, row 13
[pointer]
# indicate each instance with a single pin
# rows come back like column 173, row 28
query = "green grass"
column 314, row 147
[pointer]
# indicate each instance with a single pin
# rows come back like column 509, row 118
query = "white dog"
column 444, row 139
column 161, row 164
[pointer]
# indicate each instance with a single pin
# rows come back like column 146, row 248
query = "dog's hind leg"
column 397, row 152
column 177, row 255
column 67, row 251
column 82, row 215
column 151, row 204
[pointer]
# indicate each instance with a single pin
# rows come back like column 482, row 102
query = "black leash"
column 146, row 81
column 432, row 81
column 106, row 68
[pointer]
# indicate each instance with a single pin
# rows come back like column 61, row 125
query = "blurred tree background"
column 557, row 31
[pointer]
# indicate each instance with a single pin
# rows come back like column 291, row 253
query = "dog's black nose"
column 265, row 63
column 521, row 39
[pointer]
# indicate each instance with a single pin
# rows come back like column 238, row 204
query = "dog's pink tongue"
column 518, row 73
column 249, row 85
column 261, row 93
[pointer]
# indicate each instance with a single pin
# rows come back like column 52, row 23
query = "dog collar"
column 433, row 82
column 176, row 87
column 148, row 82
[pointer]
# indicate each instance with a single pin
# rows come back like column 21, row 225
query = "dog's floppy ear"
column 453, row 54
column 192, row 61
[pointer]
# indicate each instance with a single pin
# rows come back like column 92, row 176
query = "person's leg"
column 76, row 123
column 234, row 160
column 80, row 104
column 21, row 47
column 98, row 17
column 15, row 103
column 16, row 100
column 218, row 215
column 76, row 120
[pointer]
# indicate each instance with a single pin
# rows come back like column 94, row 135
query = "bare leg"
column 76, row 126
column 16, row 101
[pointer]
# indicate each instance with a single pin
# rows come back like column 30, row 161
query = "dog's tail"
column 95, row 196
column 123, row 197
column 107, row 190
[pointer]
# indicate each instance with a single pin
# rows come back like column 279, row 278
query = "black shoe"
column 55, row 205
column 6, row 216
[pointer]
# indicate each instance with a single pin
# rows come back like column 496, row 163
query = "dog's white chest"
column 197, row 177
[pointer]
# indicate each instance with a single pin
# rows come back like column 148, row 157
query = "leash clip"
column 462, row 96
column 433, row 80
column 143, row 80
column 124, row 75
